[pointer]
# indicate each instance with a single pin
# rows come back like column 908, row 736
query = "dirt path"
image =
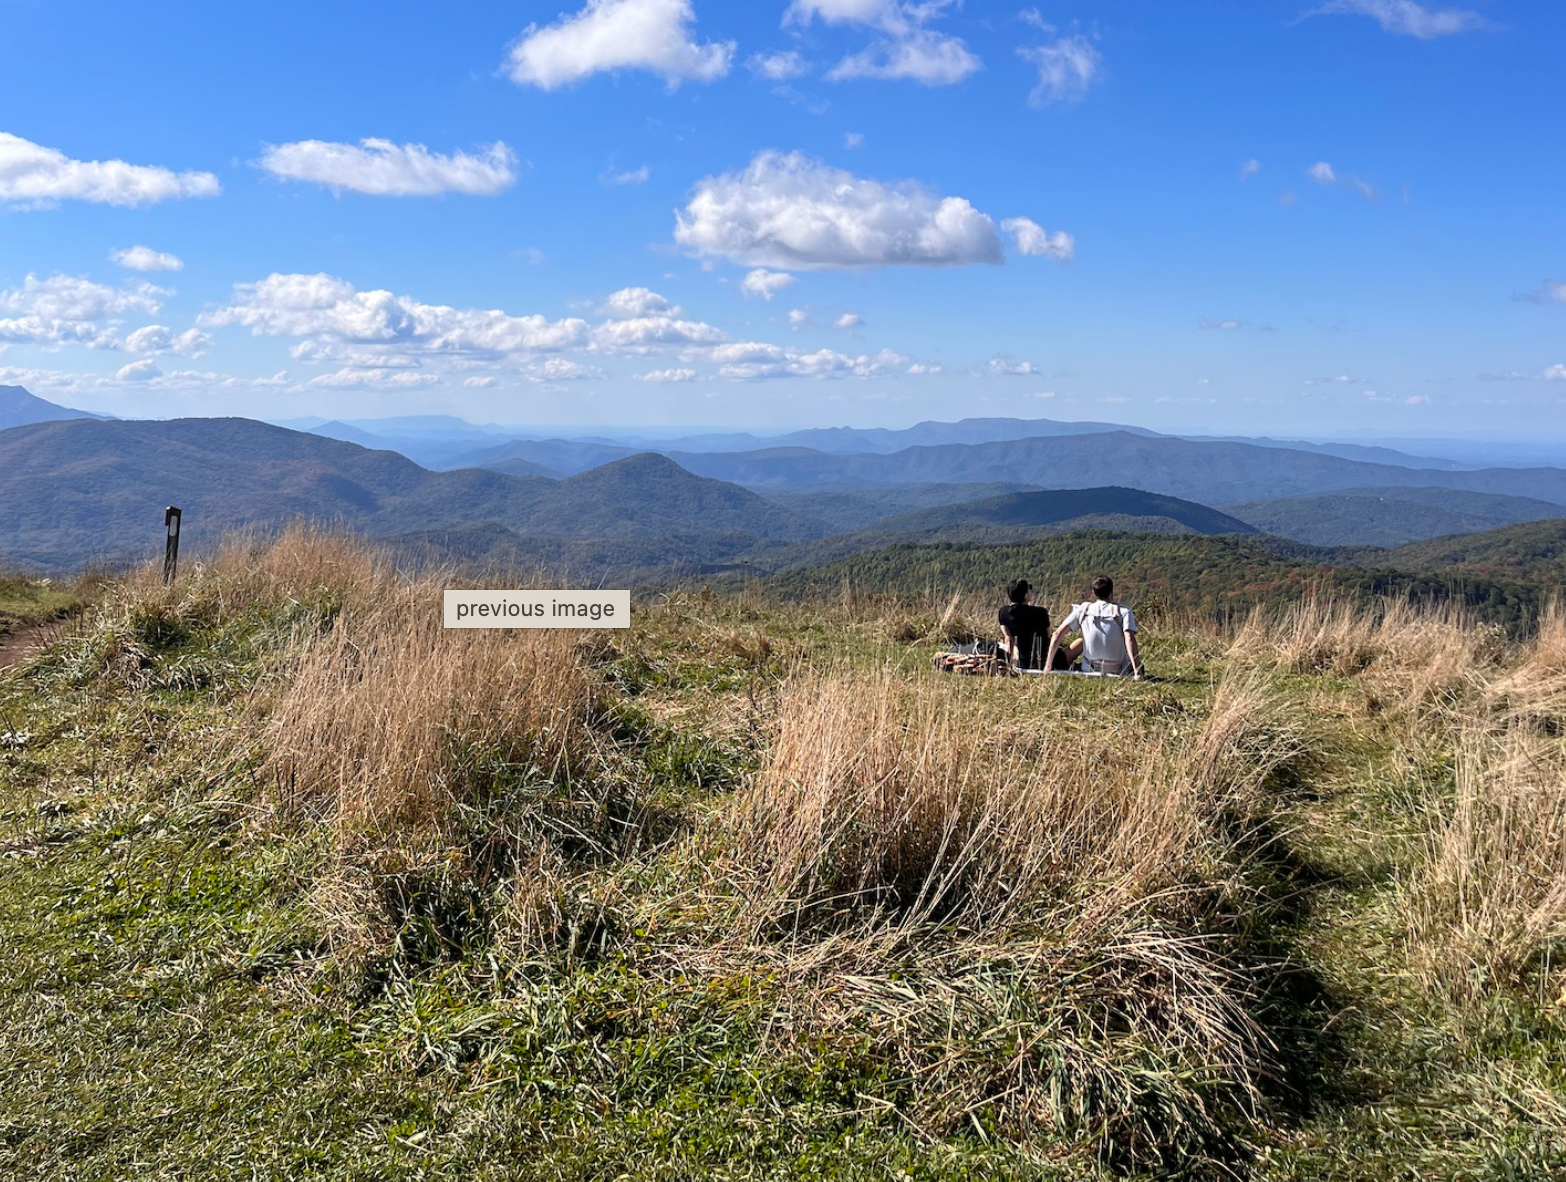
column 16, row 647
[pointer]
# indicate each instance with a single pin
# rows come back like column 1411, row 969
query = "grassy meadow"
column 295, row 884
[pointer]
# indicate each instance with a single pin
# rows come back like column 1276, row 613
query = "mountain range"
column 80, row 489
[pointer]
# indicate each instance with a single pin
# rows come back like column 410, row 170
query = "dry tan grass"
column 391, row 719
column 1492, row 898
column 879, row 793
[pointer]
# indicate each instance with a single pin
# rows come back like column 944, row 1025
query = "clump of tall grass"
column 1489, row 904
column 1415, row 661
column 391, row 720
column 903, row 797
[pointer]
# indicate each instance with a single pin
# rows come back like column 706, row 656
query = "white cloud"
column 796, row 212
column 375, row 379
column 159, row 338
column 144, row 258
column 920, row 55
column 332, row 311
column 485, row 383
column 634, row 176
column 904, row 48
column 1033, row 240
column 64, row 309
column 1006, row 366
column 764, row 283
column 1220, row 325
column 667, row 376
column 1322, row 172
column 780, row 66
column 798, row 318
column 1556, row 373
column 1407, row 18
column 643, row 334
column 36, row 176
column 754, row 361
column 747, row 351
column 1066, row 68
column 849, row 321
column 1249, row 169
column 1032, row 16
column 920, row 367
column 1416, row 400
column 558, row 369
column 384, row 169
column 853, row 139
column 138, row 371
column 630, row 303
column 652, row 35
column 1549, row 292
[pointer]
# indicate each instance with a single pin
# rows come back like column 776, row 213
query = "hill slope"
column 18, row 408
column 87, row 490
column 1389, row 516
column 1209, row 473
column 1219, row 575
column 1061, row 505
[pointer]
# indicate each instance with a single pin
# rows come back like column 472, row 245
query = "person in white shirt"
column 1108, row 641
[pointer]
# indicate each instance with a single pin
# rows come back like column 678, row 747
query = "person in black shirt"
column 1024, row 626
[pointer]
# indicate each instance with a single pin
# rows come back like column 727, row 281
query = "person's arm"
column 1010, row 643
column 1137, row 672
column 1054, row 644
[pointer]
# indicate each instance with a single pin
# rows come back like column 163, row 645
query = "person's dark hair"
column 1103, row 586
column 1017, row 590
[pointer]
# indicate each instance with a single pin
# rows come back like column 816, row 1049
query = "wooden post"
column 171, row 517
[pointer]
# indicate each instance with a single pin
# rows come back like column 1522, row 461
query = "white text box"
column 538, row 609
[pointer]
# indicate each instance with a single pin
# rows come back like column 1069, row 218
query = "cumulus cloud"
column 1406, row 18
column 1556, row 373
column 904, row 47
column 853, row 139
column 144, row 258
column 1067, row 68
column 751, row 361
column 651, row 35
column 1549, row 292
column 798, row 318
column 1322, row 172
column 780, row 66
column 384, row 169
column 35, row 176
column 629, row 303
column 1033, row 240
column 667, row 376
column 65, row 309
column 764, row 283
column 482, row 383
column 138, row 371
column 849, row 322
column 376, row 379
column 159, row 338
column 1220, row 325
column 331, row 311
column 1249, row 169
column 643, row 334
column 792, row 211
column 1010, row 368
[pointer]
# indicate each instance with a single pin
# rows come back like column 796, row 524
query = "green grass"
column 176, row 1000
column 25, row 600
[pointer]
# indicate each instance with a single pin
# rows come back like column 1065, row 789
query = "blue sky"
column 1253, row 216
